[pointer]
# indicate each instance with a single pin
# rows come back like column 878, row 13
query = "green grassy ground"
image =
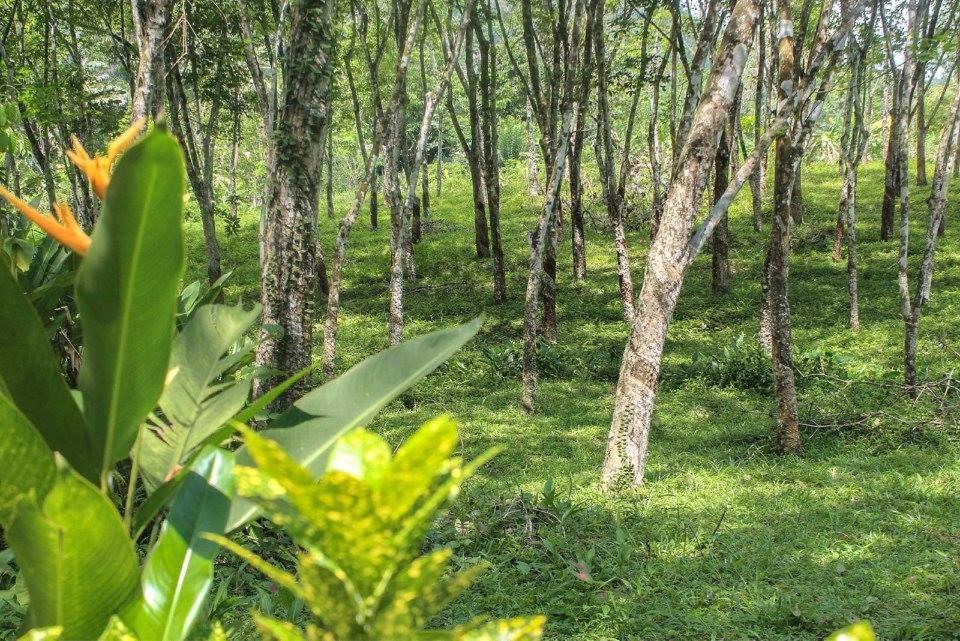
column 726, row 540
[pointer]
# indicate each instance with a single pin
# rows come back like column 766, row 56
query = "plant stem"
column 132, row 486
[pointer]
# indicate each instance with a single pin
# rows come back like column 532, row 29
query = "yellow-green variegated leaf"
column 361, row 454
column 519, row 629
column 117, row 631
column 217, row 633
column 329, row 594
column 417, row 593
column 275, row 630
column 417, row 465
column 54, row 633
column 860, row 631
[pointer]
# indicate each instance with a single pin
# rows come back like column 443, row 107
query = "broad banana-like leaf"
column 308, row 429
column 28, row 469
column 30, row 377
column 196, row 401
column 179, row 570
column 79, row 564
column 127, row 294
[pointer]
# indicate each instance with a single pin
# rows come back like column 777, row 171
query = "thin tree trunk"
column 778, row 264
column 329, row 172
column 491, row 178
column 921, row 133
column 937, row 204
column 758, row 179
column 720, row 259
column 533, row 171
column 431, row 101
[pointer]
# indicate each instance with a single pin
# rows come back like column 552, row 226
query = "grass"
column 726, row 540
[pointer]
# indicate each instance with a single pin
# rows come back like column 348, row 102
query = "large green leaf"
column 27, row 467
column 74, row 552
column 308, row 429
column 196, row 402
column 30, row 377
column 127, row 294
column 179, row 572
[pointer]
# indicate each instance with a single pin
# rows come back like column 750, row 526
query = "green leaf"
column 79, row 564
column 127, row 294
column 157, row 500
column 308, row 429
column 28, row 468
column 4, row 141
column 30, row 377
column 194, row 403
column 179, row 571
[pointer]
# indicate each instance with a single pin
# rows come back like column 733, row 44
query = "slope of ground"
column 726, row 540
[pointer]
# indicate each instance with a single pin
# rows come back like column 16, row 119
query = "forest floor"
column 726, row 539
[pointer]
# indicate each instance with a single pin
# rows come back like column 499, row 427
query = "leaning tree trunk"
column 937, row 204
column 289, row 244
column 149, row 22
column 667, row 259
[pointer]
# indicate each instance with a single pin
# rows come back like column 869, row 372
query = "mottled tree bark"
column 706, row 42
column 491, row 154
column 431, row 100
column 289, row 243
column 367, row 182
column 937, row 204
column 667, row 258
column 150, row 19
column 613, row 182
column 720, row 258
column 541, row 285
column 758, row 177
column 197, row 150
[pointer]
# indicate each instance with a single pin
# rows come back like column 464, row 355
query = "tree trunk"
column 612, row 182
column 921, row 134
column 150, row 19
column 533, row 171
column 667, row 258
column 491, row 164
column 757, row 178
column 778, row 263
column 475, row 155
column 937, row 205
column 721, row 235
column 329, row 172
column 892, row 178
column 288, row 245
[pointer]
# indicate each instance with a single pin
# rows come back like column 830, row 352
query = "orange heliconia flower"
column 63, row 227
column 97, row 169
